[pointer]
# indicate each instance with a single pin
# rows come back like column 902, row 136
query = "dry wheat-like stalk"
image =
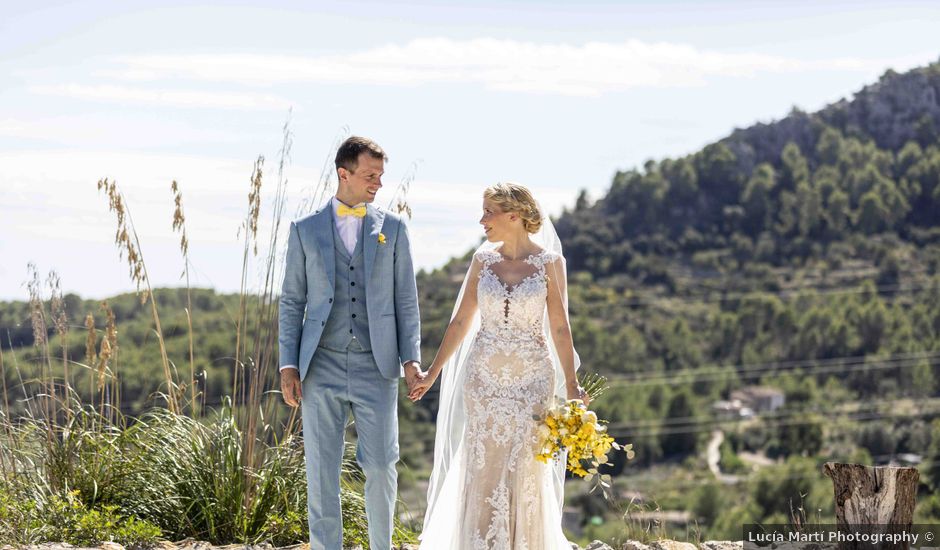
column 259, row 348
column 109, row 346
column 179, row 225
column 326, row 184
column 111, row 331
column 122, row 236
column 57, row 302
column 399, row 202
column 91, row 341
column 104, row 356
column 250, row 226
column 61, row 323
column 37, row 315
column 179, row 221
column 254, row 205
column 127, row 241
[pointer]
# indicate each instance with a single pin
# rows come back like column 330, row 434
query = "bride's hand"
column 422, row 386
column 577, row 392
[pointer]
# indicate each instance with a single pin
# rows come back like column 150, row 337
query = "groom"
column 349, row 267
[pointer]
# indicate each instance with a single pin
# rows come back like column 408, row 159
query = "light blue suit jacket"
column 391, row 292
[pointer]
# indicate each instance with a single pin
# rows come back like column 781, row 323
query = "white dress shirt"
column 348, row 228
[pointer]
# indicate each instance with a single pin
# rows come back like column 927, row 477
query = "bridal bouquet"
column 570, row 426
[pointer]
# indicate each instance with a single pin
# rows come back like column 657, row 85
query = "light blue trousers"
column 339, row 382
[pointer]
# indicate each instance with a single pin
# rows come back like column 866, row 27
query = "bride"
column 502, row 368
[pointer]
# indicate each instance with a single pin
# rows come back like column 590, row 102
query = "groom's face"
column 361, row 184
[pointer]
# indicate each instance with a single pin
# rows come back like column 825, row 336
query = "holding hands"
column 413, row 376
column 421, row 387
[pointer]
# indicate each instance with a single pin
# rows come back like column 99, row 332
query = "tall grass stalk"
column 399, row 202
column 326, row 183
column 37, row 318
column 179, row 224
column 61, row 324
column 263, row 352
column 250, row 228
column 128, row 241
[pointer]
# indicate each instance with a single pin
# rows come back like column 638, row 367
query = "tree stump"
column 873, row 500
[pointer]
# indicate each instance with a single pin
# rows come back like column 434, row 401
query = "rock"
column 722, row 545
column 111, row 546
column 666, row 544
column 634, row 545
column 597, row 545
column 193, row 544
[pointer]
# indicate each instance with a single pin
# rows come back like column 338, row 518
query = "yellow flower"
column 381, row 238
column 572, row 429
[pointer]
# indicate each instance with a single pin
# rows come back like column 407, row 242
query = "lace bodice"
column 512, row 311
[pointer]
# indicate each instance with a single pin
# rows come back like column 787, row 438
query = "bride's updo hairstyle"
column 515, row 198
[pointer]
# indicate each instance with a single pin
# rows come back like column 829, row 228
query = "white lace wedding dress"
column 496, row 495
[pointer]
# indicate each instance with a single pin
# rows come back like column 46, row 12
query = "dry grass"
column 128, row 242
column 179, row 225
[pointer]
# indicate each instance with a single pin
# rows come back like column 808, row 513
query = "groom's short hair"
column 347, row 156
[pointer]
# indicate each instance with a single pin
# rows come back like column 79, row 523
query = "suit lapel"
column 323, row 230
column 370, row 232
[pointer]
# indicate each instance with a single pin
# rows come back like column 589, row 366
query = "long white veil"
column 451, row 420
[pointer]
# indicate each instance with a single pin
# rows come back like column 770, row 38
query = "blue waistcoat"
column 348, row 317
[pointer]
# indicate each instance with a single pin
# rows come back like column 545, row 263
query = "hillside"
column 801, row 254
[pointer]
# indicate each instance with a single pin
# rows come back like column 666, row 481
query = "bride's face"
column 496, row 223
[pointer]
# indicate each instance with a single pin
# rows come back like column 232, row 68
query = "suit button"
column 331, row 300
column 354, row 315
column 353, row 283
column 322, row 323
column 354, row 299
column 351, row 268
column 350, row 331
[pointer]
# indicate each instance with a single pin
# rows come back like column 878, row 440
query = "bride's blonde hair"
column 515, row 198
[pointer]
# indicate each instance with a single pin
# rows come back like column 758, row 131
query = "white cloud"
column 175, row 98
column 590, row 69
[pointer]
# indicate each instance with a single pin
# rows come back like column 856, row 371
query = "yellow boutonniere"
column 381, row 238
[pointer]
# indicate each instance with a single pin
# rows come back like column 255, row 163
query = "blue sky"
column 555, row 95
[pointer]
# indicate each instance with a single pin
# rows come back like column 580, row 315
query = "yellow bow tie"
column 358, row 211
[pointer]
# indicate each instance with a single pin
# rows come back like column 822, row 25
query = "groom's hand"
column 413, row 374
column 290, row 386
column 421, row 387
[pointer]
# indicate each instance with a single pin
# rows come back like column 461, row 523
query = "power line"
column 707, row 420
column 816, row 366
column 807, row 291
column 624, row 431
